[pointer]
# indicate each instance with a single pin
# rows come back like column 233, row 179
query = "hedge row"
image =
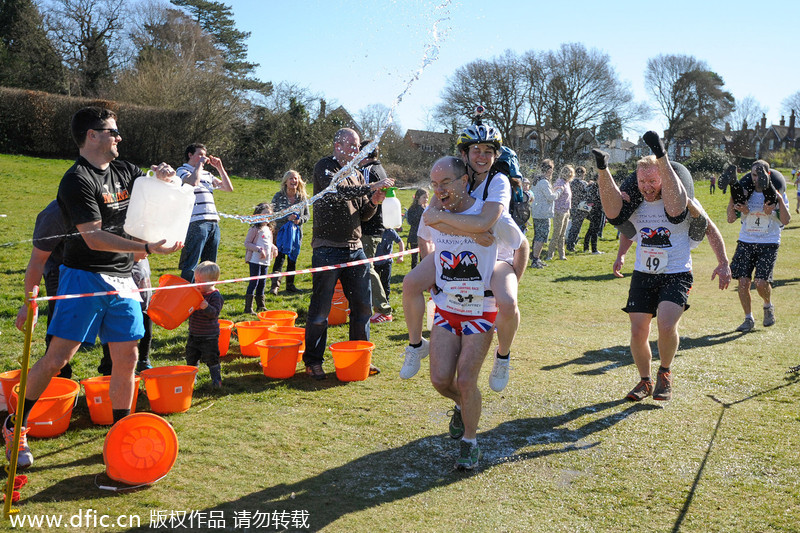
column 37, row 124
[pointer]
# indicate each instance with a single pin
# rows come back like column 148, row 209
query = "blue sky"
column 359, row 52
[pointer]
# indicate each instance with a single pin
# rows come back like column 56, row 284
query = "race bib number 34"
column 464, row 298
column 654, row 260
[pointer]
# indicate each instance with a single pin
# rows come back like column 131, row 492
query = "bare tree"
column 565, row 92
column 571, row 90
column 746, row 113
column 85, row 32
column 178, row 67
column 583, row 88
column 661, row 75
column 499, row 84
column 372, row 120
column 284, row 93
column 792, row 103
column 536, row 70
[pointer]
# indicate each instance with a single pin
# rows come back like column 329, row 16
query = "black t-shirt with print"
column 87, row 194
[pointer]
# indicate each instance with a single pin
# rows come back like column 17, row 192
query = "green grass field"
column 562, row 450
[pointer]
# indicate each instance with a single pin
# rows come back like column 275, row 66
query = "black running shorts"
column 750, row 256
column 649, row 290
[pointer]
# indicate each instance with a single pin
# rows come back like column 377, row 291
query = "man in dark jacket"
column 577, row 212
column 337, row 239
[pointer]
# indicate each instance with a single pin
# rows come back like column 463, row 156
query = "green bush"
column 37, row 123
column 787, row 158
column 707, row 161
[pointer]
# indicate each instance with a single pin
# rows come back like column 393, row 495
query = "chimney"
column 727, row 127
column 790, row 133
column 322, row 110
column 764, row 121
column 783, row 120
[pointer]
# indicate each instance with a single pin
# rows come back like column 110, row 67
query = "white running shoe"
column 24, row 457
column 413, row 358
column 498, row 379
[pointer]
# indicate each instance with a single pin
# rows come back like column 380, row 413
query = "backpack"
column 508, row 159
column 520, row 210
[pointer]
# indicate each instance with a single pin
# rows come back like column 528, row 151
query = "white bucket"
column 391, row 212
column 430, row 309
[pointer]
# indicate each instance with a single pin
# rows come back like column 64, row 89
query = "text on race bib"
column 757, row 223
column 464, row 298
column 655, row 260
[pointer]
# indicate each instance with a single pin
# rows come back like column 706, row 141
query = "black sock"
column 661, row 369
column 415, row 345
column 648, row 378
column 26, row 411
column 119, row 414
column 506, row 356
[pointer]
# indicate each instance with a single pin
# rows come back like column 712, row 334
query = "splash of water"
column 438, row 32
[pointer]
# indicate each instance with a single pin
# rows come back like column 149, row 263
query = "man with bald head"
column 465, row 307
column 336, row 239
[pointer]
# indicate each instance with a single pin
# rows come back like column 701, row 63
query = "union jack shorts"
column 463, row 324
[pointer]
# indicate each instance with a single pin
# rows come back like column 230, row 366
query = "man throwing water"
column 465, row 307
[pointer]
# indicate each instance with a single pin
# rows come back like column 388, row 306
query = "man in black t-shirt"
column 98, row 256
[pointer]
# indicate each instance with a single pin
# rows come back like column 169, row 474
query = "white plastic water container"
column 159, row 209
column 392, row 212
column 430, row 310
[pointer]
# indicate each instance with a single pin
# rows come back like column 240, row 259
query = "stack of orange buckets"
column 339, row 307
column 283, row 348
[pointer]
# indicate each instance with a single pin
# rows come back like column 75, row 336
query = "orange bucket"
column 279, row 357
column 339, row 311
column 225, row 329
column 169, row 309
column 169, row 388
column 8, row 380
column 251, row 331
column 351, row 359
column 290, row 332
column 140, row 449
column 99, row 402
column 50, row 416
column 279, row 316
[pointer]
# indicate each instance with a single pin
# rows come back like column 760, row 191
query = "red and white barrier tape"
column 236, row 280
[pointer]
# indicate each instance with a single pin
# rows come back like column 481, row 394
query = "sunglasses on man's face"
column 114, row 132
